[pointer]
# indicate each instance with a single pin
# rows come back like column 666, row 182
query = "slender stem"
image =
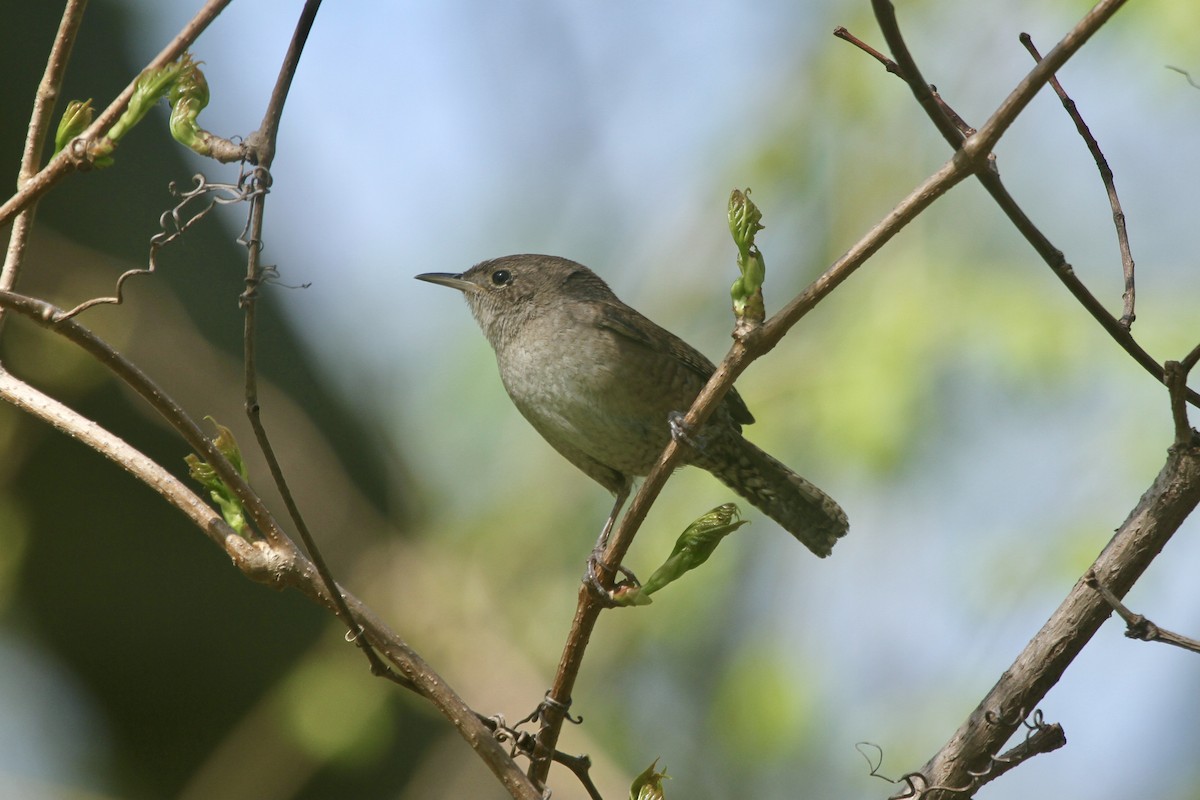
column 35, row 136
column 1128, row 297
column 268, row 131
column 264, row 141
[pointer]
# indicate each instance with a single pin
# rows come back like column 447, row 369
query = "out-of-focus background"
column 982, row 432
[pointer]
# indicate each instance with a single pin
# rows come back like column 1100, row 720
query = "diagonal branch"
column 756, row 343
column 1174, row 494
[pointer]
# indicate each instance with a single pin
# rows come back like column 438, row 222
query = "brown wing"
column 627, row 322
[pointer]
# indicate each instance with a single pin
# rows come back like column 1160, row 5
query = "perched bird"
column 602, row 384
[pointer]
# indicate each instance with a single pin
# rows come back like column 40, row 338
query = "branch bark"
column 1174, row 495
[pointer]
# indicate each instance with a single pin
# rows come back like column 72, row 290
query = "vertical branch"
column 268, row 131
column 35, row 137
column 263, row 143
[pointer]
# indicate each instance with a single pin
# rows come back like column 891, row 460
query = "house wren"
column 601, row 384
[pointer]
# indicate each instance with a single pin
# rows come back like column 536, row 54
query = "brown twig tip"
column 1137, row 626
column 1175, row 378
column 845, row 35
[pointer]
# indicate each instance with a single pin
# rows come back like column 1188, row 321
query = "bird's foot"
column 596, row 568
column 682, row 433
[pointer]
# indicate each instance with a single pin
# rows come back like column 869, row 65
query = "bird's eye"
column 501, row 277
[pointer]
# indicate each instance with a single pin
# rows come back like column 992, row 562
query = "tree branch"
column 35, row 136
column 1106, row 177
column 1174, row 494
column 1136, row 625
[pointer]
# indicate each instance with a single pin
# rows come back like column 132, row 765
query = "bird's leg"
column 595, row 563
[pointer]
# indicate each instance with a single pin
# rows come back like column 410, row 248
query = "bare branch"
column 1110, row 187
column 1136, row 625
column 35, row 136
column 263, row 140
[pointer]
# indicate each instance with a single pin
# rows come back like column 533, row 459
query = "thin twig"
column 254, row 274
column 268, row 131
column 1042, row 738
column 1136, row 625
column 69, row 159
column 1175, row 376
column 264, row 143
column 894, row 68
column 1187, row 76
column 581, row 768
column 36, row 135
column 1110, row 187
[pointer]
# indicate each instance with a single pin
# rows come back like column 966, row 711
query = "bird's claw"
column 682, row 433
column 596, row 566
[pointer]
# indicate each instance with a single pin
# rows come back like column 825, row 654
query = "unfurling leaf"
column 203, row 473
column 694, row 546
column 648, row 785
column 745, row 220
column 75, row 120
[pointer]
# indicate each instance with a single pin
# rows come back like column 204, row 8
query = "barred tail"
column 799, row 507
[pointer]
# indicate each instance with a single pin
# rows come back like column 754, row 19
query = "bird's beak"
column 453, row 280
